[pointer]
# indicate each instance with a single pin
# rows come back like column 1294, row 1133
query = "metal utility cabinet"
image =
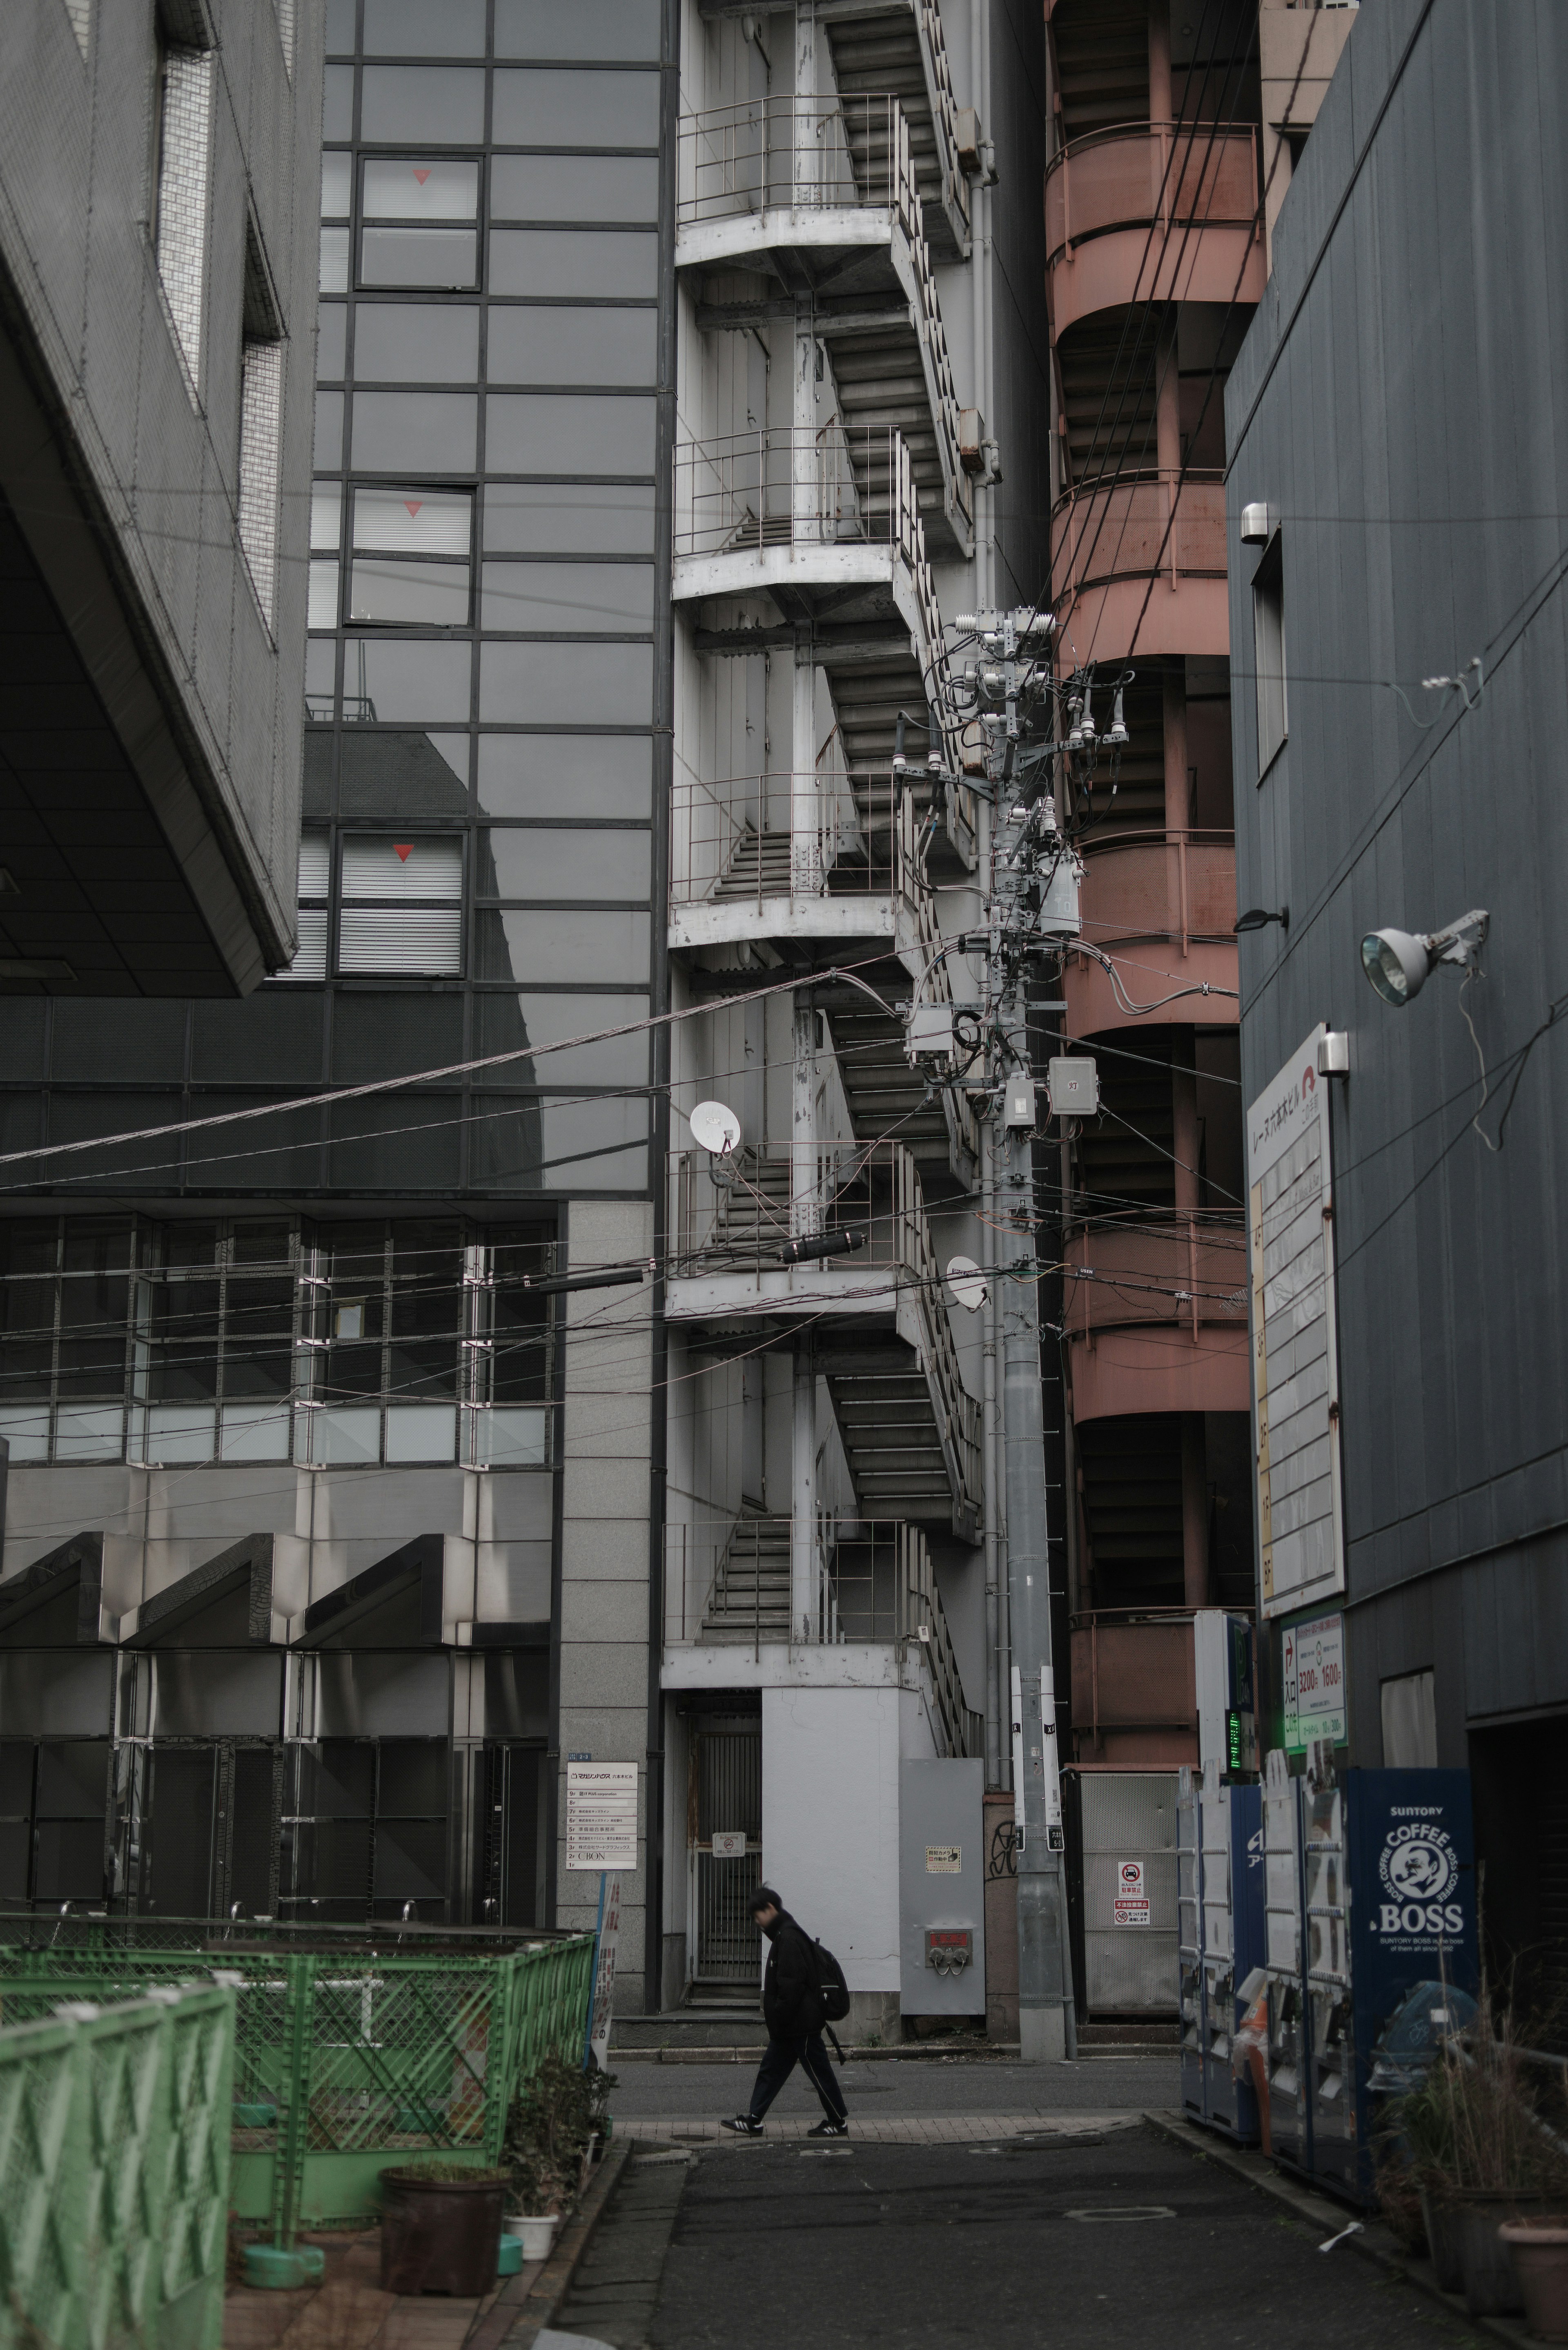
column 1370, row 1891
column 1220, row 1908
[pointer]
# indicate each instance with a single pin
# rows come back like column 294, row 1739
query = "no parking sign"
column 1130, row 1907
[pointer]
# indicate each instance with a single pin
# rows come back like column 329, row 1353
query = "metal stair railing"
column 957, row 1412
column 799, row 155
column 935, row 979
column 939, row 386
column 944, row 113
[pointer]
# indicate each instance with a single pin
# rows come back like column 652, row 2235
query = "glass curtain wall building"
column 290, row 1447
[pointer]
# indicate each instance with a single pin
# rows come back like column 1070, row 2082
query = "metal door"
column 726, row 1799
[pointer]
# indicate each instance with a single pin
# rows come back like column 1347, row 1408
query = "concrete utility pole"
column 1047, row 2021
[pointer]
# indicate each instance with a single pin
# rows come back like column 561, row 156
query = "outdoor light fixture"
column 1257, row 917
column 1397, row 962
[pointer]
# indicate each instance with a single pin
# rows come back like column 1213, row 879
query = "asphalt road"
column 1125, row 2240
column 895, row 2087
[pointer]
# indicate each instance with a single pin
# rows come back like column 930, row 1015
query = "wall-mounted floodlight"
column 1257, row 917
column 1257, row 525
column 1397, row 962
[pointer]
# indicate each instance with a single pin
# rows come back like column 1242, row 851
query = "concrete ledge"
column 550, row 2287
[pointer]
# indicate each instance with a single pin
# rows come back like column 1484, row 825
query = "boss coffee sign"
column 1419, row 1877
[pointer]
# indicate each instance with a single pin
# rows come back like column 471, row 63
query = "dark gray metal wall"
column 1400, row 400
column 1020, row 361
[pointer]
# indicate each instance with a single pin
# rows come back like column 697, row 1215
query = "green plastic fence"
column 114, row 2174
column 346, row 2063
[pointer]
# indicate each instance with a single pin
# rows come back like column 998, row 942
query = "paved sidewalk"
column 891, row 2091
column 909, row 2129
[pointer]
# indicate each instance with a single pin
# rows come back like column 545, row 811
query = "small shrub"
column 548, row 2132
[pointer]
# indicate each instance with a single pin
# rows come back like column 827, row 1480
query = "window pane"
column 334, row 274
column 615, row 597
column 346, row 1435
column 177, row 1433
column 411, row 871
column 416, row 942
column 550, row 685
column 617, row 265
column 541, row 28
column 421, row 1431
column 562, row 949
column 337, row 102
column 310, row 957
column 572, row 109
column 405, row 681
column 339, row 28
column 336, row 185
column 547, row 775
column 442, row 257
column 413, row 522
column 426, row 1367
column 416, row 103
column 505, row 1023
column 315, row 865
column 325, row 514
column 413, row 28
column 561, row 346
column 403, row 776
column 420, row 188
column 564, row 1145
column 413, row 431
column 385, row 590
column 252, row 1432
column 332, row 341
column 387, row 1035
column 90, row 1433
column 322, row 612
column 566, row 864
column 568, row 518
column 320, row 672
column 542, row 432
column 328, row 456
column 407, row 342
column 574, row 187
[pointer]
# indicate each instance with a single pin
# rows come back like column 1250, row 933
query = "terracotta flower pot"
column 440, row 2235
column 1540, row 2251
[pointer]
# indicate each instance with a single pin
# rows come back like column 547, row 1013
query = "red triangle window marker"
column 423, row 176
column 414, row 505
column 404, row 849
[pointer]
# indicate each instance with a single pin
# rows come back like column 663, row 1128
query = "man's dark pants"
column 779, row 2062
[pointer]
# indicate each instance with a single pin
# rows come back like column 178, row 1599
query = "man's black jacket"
column 792, row 1996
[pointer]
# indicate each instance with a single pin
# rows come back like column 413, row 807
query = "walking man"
column 793, row 2011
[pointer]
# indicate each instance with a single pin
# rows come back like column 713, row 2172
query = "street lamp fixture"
column 1397, row 962
column 1257, row 917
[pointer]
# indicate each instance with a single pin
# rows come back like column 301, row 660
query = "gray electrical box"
column 1018, row 1105
column 941, row 1888
column 930, row 1030
column 1072, row 1086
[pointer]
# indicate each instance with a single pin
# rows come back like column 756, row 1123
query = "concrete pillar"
column 1168, row 401
column 805, row 855
column 804, row 1190
column 1161, row 108
column 803, row 1494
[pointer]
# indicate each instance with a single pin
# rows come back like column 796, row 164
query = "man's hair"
column 764, row 1898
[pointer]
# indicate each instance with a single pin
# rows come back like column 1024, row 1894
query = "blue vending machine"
column 1219, row 1846
column 1371, row 1896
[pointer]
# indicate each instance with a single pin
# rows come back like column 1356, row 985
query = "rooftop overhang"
column 134, row 869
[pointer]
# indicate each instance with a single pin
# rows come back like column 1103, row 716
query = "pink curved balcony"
column 1152, row 212
column 1143, row 556
column 1163, row 905
column 1157, row 1318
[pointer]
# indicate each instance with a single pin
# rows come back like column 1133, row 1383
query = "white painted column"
column 806, row 861
column 803, row 1495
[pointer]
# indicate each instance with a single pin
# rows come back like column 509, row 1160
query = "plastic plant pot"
column 535, row 2235
column 440, row 2233
column 1540, row 2251
column 1443, row 2243
column 509, row 2259
column 279, row 2268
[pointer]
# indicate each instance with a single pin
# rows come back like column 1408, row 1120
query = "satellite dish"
column 714, row 1128
column 967, row 1283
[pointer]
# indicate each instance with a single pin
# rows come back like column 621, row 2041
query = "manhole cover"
column 1108, row 2213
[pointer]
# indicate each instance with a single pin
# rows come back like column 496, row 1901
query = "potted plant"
column 441, row 2228
column 1539, row 2248
column 549, row 2132
column 1481, row 2156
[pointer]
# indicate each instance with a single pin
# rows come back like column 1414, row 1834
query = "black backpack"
column 832, row 1989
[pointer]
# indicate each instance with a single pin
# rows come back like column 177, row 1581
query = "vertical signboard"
column 1296, row 1374
column 1313, row 1659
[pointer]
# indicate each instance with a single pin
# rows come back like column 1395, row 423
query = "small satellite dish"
column 714, row 1128
column 967, row 1283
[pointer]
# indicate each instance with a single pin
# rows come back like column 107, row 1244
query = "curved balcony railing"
column 1138, row 525
column 1186, row 1270
column 1133, row 1669
column 1178, row 884
column 837, row 154
column 1139, row 173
